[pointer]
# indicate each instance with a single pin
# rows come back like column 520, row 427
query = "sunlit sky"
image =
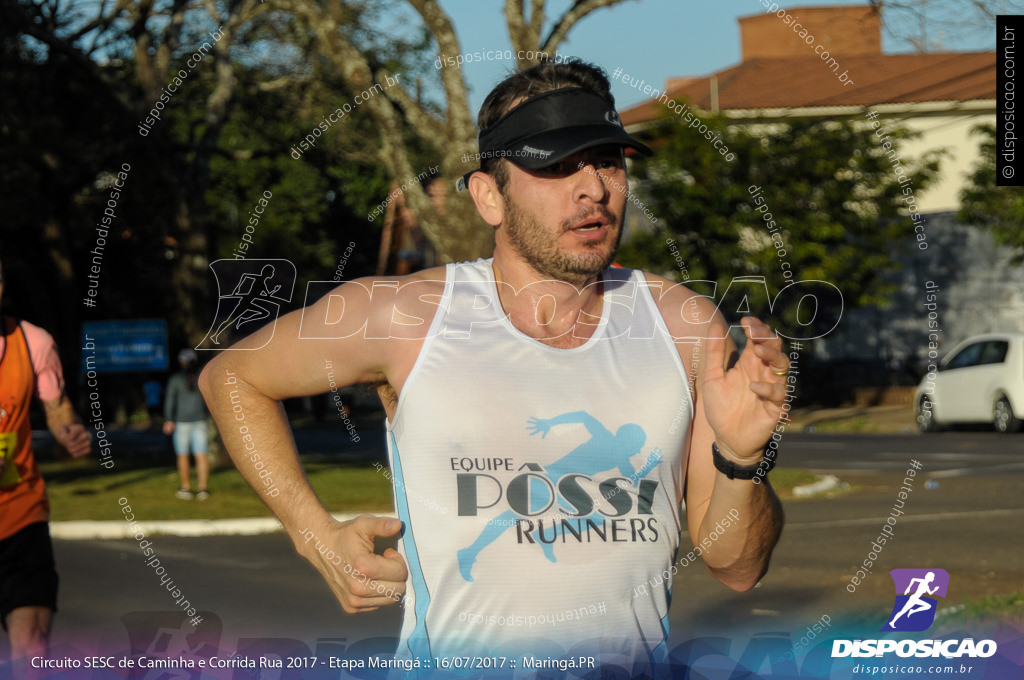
column 649, row 39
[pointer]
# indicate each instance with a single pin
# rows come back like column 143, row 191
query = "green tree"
column 446, row 131
column 831, row 208
column 79, row 78
column 982, row 203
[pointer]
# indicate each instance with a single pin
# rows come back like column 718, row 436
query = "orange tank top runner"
column 22, row 492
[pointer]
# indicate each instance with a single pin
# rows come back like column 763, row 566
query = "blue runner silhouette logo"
column 257, row 288
column 602, row 451
column 915, row 608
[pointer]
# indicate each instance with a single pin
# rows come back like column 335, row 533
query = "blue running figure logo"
column 604, row 451
column 908, row 604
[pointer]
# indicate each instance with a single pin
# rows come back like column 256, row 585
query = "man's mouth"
column 590, row 225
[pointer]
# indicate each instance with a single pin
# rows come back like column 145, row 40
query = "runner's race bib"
column 8, row 447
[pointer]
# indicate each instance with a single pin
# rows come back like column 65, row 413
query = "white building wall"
column 952, row 132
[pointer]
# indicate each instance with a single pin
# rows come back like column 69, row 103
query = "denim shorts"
column 193, row 433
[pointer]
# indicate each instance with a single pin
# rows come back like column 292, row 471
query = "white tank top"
column 540, row 488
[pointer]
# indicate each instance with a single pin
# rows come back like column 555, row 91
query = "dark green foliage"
column 828, row 186
column 1000, row 209
column 69, row 119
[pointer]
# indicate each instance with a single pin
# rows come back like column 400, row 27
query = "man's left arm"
column 735, row 523
column 60, row 415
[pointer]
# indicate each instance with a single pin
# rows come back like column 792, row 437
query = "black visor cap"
column 551, row 127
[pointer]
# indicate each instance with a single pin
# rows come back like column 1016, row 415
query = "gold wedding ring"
column 786, row 372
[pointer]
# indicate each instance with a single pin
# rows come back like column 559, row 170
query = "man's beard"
column 541, row 251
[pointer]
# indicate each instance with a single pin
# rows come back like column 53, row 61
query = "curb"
column 821, row 485
column 83, row 530
column 252, row 526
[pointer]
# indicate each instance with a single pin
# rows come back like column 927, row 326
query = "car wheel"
column 1003, row 418
column 925, row 416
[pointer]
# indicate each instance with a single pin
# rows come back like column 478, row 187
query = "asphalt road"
column 943, row 454
column 257, row 587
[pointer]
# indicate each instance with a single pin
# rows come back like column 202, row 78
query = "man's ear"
column 488, row 200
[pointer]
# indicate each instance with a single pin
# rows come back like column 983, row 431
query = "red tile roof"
column 800, row 82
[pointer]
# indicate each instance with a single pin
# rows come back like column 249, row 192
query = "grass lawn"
column 984, row 610
column 80, row 490
column 785, row 479
column 983, row 615
column 864, row 420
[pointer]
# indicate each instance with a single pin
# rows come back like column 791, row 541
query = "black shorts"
column 28, row 576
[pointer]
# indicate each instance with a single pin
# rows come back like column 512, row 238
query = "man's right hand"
column 361, row 580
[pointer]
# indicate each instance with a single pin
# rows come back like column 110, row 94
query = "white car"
column 980, row 381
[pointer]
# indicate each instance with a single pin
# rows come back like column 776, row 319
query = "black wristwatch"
column 734, row 471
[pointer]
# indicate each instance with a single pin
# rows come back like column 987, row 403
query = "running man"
column 464, row 355
column 251, row 304
column 29, row 366
column 915, row 603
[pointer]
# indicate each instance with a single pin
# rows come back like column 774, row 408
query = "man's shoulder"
column 433, row 275
column 378, row 307
column 409, row 288
column 369, row 290
column 685, row 310
column 38, row 339
column 669, row 292
column 42, row 352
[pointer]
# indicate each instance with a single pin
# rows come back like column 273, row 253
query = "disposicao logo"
column 914, row 611
column 915, row 608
